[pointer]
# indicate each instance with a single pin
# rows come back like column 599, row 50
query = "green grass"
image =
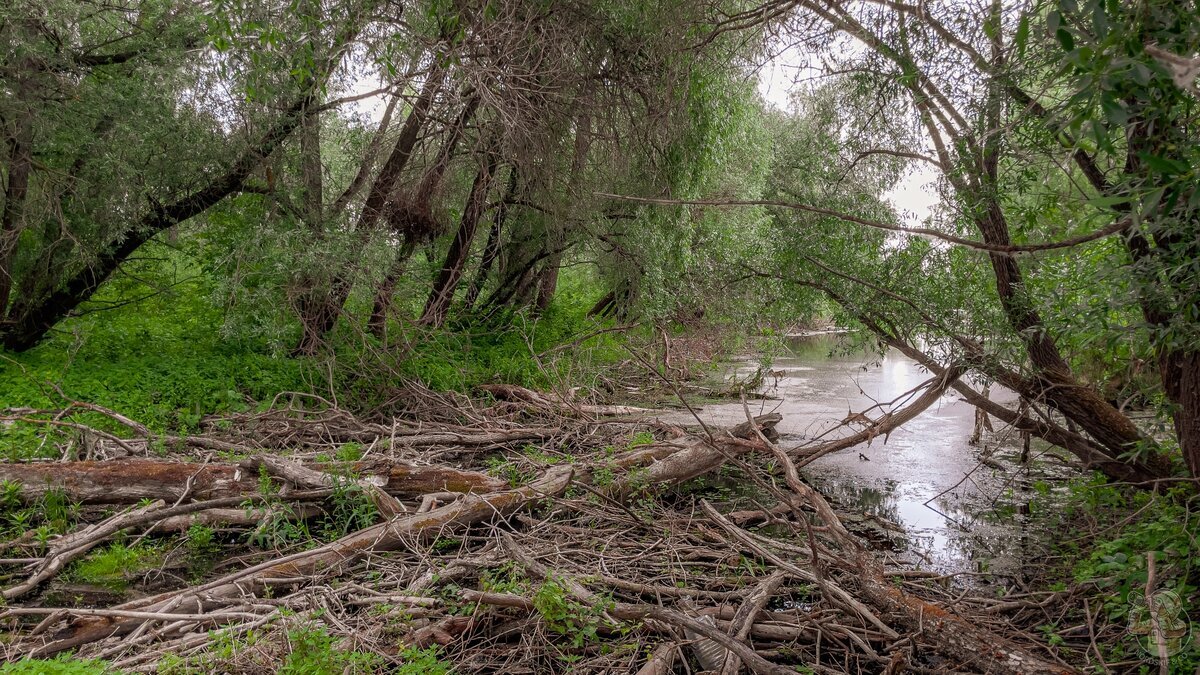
column 167, row 361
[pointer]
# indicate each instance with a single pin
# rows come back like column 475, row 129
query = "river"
column 955, row 514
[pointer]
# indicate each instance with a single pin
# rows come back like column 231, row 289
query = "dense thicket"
column 510, row 141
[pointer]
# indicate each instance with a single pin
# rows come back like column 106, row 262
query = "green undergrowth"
column 167, row 360
column 1112, row 532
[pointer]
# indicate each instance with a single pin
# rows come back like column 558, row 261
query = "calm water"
column 955, row 514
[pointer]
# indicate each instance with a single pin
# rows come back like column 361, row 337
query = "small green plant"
column 509, row 471
column 313, row 651
column 349, row 452
column 352, row 510
column 507, row 578
column 112, row 567
column 202, row 546
column 279, row 528
column 577, row 622
column 422, row 662
column 641, row 438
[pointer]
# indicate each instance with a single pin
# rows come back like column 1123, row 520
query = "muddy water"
column 954, row 514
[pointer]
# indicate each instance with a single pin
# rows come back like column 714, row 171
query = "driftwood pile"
column 576, row 551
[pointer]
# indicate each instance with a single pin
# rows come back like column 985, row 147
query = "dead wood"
column 631, row 612
column 330, row 559
column 743, row 621
column 952, row 634
column 124, row 481
column 554, row 402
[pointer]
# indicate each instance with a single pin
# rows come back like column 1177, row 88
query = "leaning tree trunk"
column 412, row 219
column 438, row 304
column 492, row 248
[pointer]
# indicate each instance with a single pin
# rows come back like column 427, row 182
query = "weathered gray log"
column 125, row 481
column 330, row 559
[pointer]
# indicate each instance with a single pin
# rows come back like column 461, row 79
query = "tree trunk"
column 319, row 308
column 124, row 481
column 31, row 318
column 20, row 166
column 438, row 304
column 412, row 219
column 492, row 248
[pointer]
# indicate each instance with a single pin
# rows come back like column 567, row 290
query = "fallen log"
column 553, row 402
column 124, row 481
column 951, row 634
column 330, row 559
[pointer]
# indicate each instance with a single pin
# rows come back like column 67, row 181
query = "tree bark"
column 124, row 481
column 492, row 248
column 320, row 307
column 329, row 559
column 438, row 304
column 412, row 219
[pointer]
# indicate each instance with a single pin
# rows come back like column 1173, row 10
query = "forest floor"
column 511, row 532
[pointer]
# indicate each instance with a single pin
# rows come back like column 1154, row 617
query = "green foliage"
column 313, row 651
column 510, row 471
column 162, row 361
column 1117, row 563
column 202, row 547
column 566, row 616
column 352, row 510
column 113, row 567
column 51, row 514
column 507, row 578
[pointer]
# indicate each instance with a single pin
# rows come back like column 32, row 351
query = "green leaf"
column 1099, row 20
column 1163, row 165
column 1021, row 39
column 1065, row 39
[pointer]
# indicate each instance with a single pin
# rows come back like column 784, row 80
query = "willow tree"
column 1065, row 156
column 128, row 119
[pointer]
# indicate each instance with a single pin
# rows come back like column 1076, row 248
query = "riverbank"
column 516, row 530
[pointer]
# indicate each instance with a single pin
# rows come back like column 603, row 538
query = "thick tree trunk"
column 438, row 304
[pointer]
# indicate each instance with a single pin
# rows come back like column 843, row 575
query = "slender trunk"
column 382, row 304
column 412, row 221
column 20, row 167
column 319, row 308
column 547, row 282
column 311, row 169
column 438, row 304
column 492, row 248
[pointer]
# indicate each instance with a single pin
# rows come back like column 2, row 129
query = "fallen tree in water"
column 570, row 540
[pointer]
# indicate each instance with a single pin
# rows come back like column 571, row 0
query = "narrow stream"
column 954, row 512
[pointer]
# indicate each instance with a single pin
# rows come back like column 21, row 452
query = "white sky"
column 914, row 197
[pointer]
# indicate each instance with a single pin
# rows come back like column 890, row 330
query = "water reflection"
column 953, row 513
